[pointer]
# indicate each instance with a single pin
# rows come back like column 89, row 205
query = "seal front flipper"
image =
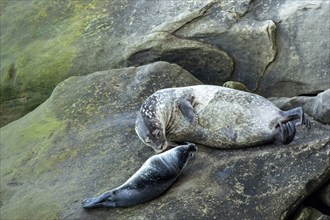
column 187, row 109
column 103, row 200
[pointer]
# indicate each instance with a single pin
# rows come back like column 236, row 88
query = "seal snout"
column 191, row 148
column 161, row 148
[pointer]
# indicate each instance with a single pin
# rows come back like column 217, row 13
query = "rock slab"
column 81, row 142
column 276, row 48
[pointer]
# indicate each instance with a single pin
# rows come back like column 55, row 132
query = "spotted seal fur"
column 214, row 116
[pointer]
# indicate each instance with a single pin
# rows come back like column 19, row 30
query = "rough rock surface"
column 302, row 63
column 318, row 106
column 276, row 48
column 81, row 142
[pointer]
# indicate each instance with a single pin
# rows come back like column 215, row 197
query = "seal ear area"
column 186, row 106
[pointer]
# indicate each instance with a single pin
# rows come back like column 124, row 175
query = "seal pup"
column 214, row 116
column 155, row 176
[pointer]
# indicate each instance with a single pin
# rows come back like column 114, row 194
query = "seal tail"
column 103, row 200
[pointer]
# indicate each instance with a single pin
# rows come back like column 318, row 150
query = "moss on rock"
column 39, row 47
column 236, row 85
column 44, row 154
column 36, row 131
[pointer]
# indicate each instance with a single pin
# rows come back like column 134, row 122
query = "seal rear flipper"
column 295, row 113
column 103, row 200
column 285, row 132
column 187, row 109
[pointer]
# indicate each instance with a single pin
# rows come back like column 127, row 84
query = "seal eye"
column 156, row 133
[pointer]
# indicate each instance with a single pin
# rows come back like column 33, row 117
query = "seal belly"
column 228, row 118
column 214, row 116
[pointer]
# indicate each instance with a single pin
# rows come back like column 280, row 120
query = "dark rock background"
column 80, row 141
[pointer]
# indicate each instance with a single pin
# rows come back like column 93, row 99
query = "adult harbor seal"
column 152, row 179
column 214, row 116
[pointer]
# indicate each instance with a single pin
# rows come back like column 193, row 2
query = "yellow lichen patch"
column 51, row 28
column 28, row 153
column 39, row 46
column 49, row 60
column 26, row 141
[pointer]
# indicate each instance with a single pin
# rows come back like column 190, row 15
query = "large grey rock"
column 207, row 63
column 280, row 48
column 302, row 63
column 81, row 142
column 251, row 43
column 275, row 48
column 316, row 106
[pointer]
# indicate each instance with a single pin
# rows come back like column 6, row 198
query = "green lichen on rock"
column 19, row 161
column 40, row 50
column 40, row 165
column 236, row 85
column 39, row 47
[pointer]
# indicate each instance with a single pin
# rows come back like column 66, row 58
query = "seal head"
column 149, row 128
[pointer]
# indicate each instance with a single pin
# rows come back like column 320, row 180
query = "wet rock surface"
column 81, row 142
column 274, row 48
